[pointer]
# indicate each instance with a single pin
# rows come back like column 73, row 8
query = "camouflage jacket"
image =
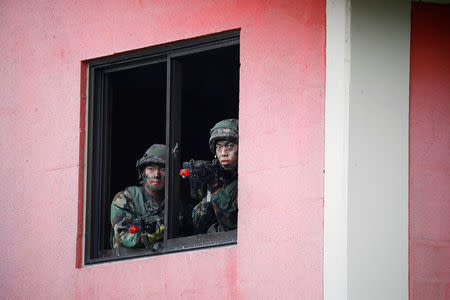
column 220, row 213
column 127, row 205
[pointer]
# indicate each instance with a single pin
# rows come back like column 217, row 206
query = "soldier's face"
column 227, row 154
column 155, row 176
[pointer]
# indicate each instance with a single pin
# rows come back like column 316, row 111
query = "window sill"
column 173, row 245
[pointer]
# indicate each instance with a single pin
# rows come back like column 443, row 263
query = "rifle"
column 151, row 228
column 200, row 174
column 147, row 224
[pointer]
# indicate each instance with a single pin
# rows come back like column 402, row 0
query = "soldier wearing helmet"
column 218, row 211
column 146, row 200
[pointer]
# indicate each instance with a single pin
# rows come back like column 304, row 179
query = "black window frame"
column 98, row 142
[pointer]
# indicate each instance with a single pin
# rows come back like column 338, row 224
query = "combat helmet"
column 224, row 130
column 155, row 154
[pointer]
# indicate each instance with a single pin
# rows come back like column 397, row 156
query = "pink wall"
column 280, row 248
column 429, row 152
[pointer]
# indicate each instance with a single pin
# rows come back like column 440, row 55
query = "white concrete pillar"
column 366, row 150
column 336, row 149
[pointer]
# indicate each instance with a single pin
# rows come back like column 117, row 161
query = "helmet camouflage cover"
column 224, row 130
column 155, row 154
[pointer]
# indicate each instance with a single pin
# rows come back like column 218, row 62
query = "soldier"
column 146, row 201
column 218, row 211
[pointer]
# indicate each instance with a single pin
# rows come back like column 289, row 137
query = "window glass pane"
column 210, row 93
column 138, row 120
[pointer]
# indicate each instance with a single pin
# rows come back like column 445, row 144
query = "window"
column 170, row 94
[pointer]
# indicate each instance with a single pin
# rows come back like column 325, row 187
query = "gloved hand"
column 149, row 239
column 215, row 186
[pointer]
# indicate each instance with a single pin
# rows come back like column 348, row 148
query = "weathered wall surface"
column 429, row 152
column 280, row 248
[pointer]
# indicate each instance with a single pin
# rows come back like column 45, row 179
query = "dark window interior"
column 210, row 93
column 137, row 97
column 138, row 119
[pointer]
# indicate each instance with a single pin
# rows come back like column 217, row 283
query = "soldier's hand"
column 215, row 185
column 149, row 239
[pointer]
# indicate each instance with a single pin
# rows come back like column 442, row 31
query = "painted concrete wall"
column 429, row 240
column 279, row 253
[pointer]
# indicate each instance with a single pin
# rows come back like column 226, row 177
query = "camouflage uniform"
column 220, row 214
column 218, row 211
column 134, row 202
